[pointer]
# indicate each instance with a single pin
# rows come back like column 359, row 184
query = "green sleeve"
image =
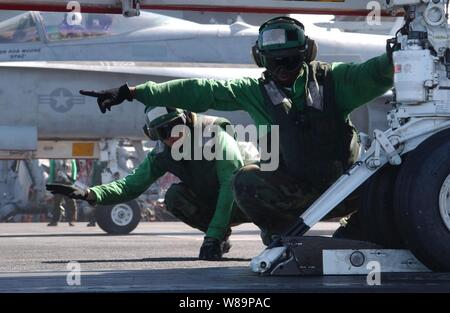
column 51, row 177
column 357, row 84
column 132, row 186
column 225, row 170
column 200, row 95
column 74, row 171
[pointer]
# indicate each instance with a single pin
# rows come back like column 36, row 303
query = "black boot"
column 226, row 244
column 350, row 229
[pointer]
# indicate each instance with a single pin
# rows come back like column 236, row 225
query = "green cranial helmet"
column 281, row 33
column 283, row 37
column 160, row 121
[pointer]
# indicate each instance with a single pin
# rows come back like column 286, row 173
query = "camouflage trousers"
column 275, row 200
column 70, row 207
column 185, row 205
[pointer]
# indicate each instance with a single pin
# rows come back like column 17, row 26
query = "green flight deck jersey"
column 354, row 85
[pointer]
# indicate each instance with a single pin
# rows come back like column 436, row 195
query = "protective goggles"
column 288, row 63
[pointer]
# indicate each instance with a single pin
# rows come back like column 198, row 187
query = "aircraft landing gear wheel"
column 119, row 219
column 422, row 202
column 377, row 213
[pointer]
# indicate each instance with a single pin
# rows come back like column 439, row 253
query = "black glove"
column 391, row 46
column 211, row 249
column 107, row 98
column 70, row 191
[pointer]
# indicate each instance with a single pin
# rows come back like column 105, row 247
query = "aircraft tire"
column 376, row 212
column 119, row 219
column 422, row 202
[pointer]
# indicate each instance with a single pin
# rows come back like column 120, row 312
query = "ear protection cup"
column 311, row 52
column 257, row 57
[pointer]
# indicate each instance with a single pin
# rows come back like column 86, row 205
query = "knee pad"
column 173, row 194
column 246, row 175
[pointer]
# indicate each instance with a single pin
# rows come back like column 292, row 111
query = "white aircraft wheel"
column 119, row 219
column 444, row 202
column 422, row 202
column 376, row 212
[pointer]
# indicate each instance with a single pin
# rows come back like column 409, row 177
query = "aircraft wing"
column 163, row 70
column 131, row 7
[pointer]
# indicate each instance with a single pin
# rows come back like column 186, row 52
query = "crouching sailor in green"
column 309, row 100
column 204, row 198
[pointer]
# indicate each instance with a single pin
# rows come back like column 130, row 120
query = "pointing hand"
column 107, row 98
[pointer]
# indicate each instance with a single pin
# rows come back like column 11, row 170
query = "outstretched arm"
column 130, row 187
column 196, row 95
column 357, row 84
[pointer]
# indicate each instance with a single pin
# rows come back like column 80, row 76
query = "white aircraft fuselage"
column 42, row 92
